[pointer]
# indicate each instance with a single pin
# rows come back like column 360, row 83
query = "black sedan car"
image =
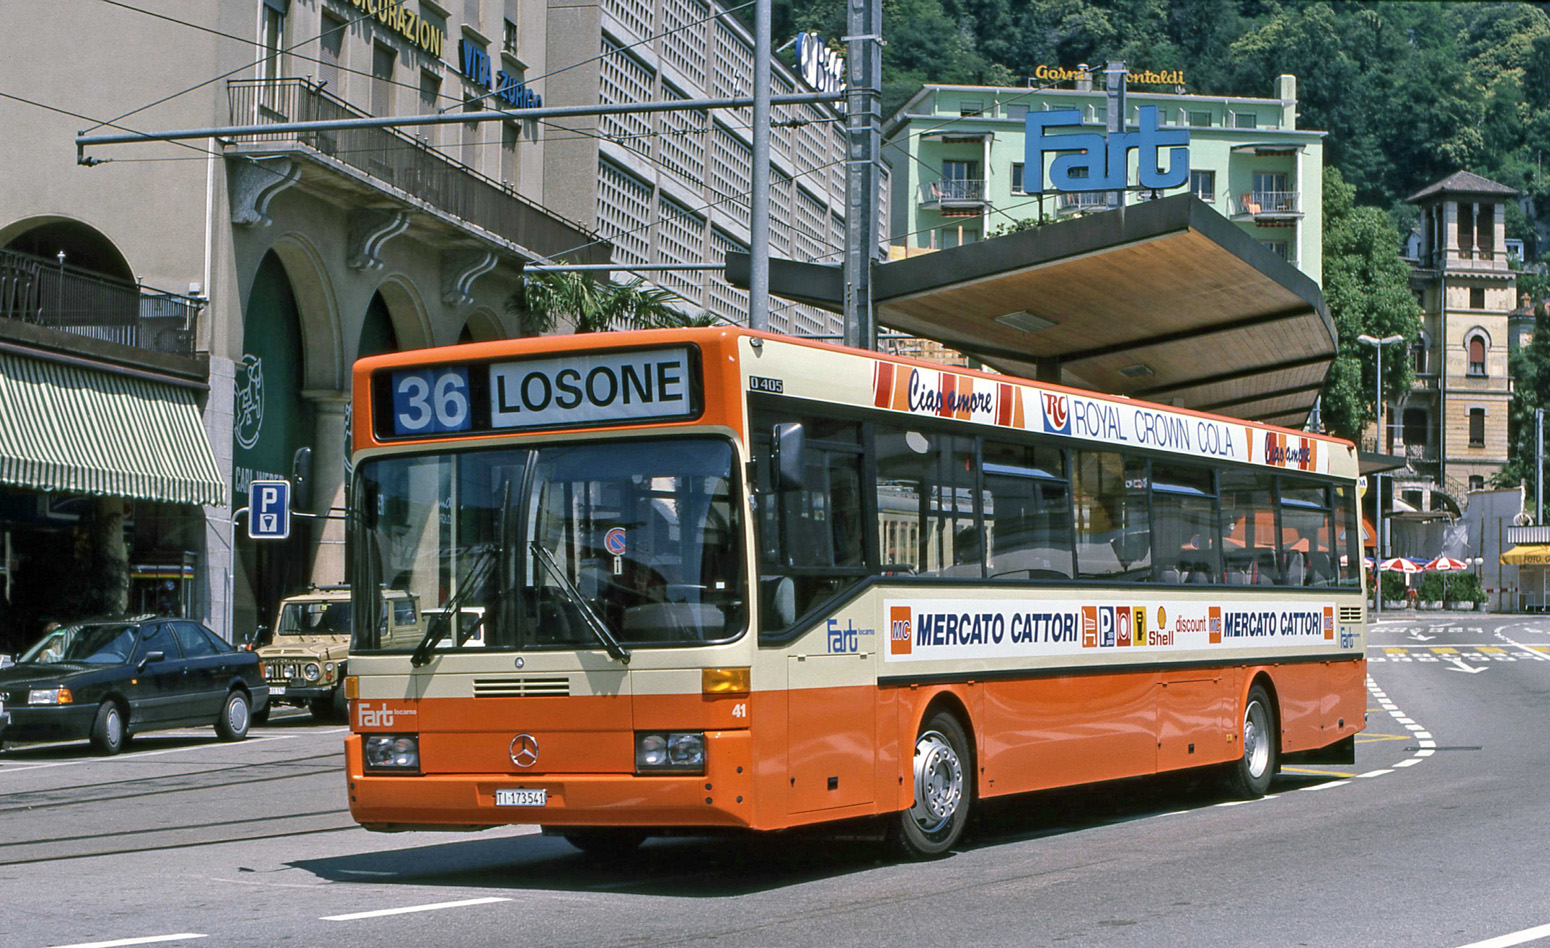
column 108, row 679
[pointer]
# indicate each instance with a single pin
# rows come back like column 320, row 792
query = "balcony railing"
column 953, row 191
column 47, row 293
column 1270, row 203
column 401, row 161
column 1082, row 200
column 1426, row 453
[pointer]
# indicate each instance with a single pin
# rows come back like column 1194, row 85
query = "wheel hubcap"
column 938, row 782
column 115, row 727
column 1256, row 739
column 237, row 715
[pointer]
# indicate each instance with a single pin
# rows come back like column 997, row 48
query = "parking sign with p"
column 269, row 510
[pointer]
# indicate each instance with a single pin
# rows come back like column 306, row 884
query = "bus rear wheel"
column 943, row 773
column 1249, row 776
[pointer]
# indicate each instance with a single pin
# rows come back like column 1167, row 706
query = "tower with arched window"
column 1452, row 424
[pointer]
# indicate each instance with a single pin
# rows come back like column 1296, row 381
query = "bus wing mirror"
column 790, row 455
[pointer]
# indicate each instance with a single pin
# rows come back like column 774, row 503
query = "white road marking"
column 1326, row 786
column 1516, row 938
column 1374, row 773
column 434, row 906
column 148, row 940
column 7, row 768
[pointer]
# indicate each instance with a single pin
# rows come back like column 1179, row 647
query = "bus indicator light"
column 900, row 640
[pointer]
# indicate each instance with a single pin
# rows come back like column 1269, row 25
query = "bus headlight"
column 399, row 753
column 680, row 752
column 311, row 671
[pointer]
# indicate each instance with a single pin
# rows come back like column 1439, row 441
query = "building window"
column 1477, row 297
column 470, row 148
column 430, row 94
column 1418, row 354
column 332, row 44
column 1277, row 247
column 1476, row 482
column 1415, row 427
column 1270, row 190
column 1476, row 355
column 1477, row 427
column 510, row 132
column 971, row 107
column 1020, row 113
column 1200, row 119
column 271, row 38
column 509, row 37
column 1202, row 184
column 382, row 58
column 1017, row 177
column 1244, row 120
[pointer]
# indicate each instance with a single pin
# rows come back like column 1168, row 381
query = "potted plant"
column 1430, row 591
column 1464, row 592
column 1394, row 589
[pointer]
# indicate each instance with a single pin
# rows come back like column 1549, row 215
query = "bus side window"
column 1027, row 512
column 1113, row 532
column 927, row 522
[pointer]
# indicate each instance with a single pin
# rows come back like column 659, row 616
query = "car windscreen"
column 106, row 644
column 315, row 618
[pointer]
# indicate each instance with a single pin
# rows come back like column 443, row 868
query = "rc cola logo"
column 249, row 407
column 1057, row 418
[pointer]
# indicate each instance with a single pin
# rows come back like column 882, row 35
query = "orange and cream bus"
column 715, row 579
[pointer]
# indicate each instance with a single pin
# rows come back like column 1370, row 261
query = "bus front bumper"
column 719, row 798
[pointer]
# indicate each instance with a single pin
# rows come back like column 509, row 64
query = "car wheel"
column 107, row 731
column 606, row 843
column 235, row 718
column 1249, row 776
column 943, row 791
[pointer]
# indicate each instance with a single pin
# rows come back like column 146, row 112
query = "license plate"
column 521, row 797
column 276, row 690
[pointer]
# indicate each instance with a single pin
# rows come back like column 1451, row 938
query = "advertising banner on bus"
column 954, row 629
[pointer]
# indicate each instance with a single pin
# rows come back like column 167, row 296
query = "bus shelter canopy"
column 1166, row 300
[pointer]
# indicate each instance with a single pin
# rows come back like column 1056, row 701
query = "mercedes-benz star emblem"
column 524, row 750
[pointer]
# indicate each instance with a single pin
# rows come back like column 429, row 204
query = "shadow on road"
column 717, row 867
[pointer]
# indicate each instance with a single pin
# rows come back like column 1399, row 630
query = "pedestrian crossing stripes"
column 1452, row 653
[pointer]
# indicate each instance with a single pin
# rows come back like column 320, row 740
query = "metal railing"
column 49, row 293
column 1073, row 200
column 401, row 161
column 953, row 189
column 1270, row 202
column 1421, row 452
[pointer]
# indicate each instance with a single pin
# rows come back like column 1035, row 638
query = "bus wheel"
column 943, row 770
column 606, row 843
column 1249, row 776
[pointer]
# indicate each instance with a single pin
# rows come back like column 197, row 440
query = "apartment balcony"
column 1268, row 207
column 956, row 197
column 55, row 296
column 388, row 171
column 1071, row 202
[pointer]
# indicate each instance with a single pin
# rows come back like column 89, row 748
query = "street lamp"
column 1377, row 479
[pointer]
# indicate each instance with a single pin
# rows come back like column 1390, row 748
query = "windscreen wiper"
column 594, row 621
column 478, row 571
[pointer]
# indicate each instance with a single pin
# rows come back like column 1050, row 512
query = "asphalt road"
column 1436, row 837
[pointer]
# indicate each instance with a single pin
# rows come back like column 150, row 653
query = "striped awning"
column 71, row 428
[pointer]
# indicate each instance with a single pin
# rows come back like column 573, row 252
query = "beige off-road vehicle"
column 307, row 651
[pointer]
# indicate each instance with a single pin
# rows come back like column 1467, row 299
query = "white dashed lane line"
column 147, row 940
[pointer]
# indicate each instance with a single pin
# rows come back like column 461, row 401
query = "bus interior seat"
column 671, row 621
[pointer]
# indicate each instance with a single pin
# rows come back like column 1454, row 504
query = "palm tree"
column 591, row 305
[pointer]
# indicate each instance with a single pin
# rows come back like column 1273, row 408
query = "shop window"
column 1477, row 427
column 1477, row 355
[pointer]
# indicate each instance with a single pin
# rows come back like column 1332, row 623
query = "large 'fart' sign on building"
column 1086, row 161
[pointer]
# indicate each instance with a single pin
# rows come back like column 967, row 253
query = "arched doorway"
column 271, row 422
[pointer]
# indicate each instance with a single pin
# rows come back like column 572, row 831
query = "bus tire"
column 943, row 775
column 1249, row 776
column 606, row 843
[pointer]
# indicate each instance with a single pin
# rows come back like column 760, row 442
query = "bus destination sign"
column 582, row 390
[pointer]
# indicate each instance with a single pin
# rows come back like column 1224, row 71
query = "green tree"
column 1531, row 391
column 1367, row 288
column 590, row 305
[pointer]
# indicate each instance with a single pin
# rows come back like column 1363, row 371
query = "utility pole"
column 863, row 146
column 1114, row 85
column 759, row 221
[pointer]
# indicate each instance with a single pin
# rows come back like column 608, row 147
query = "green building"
column 957, row 154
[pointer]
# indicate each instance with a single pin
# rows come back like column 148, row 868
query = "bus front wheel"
column 942, row 771
column 1249, row 776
